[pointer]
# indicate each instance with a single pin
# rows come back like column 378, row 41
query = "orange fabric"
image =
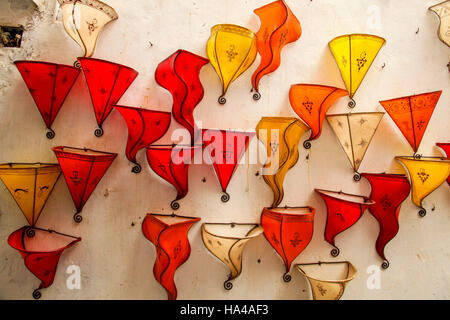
column 411, row 114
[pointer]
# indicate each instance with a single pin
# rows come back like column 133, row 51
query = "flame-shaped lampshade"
column 311, row 102
column 354, row 54
column 107, row 82
column 41, row 252
column 144, row 127
column 83, row 169
column 179, row 74
column 30, row 184
column 227, row 241
column 388, row 191
column 443, row 12
column 289, row 231
column 279, row 26
column 49, row 85
column 169, row 234
column 231, row 50
column 343, row 211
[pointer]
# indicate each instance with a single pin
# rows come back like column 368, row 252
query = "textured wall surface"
column 116, row 260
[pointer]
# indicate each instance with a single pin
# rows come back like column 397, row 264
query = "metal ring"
column 50, row 134
column 307, row 144
column 352, row 103
column 77, row 64
column 37, row 294
column 30, row 233
column 256, row 96
column 335, row 252
column 357, row 177
column 225, row 197
column 137, row 168
column 422, row 212
column 287, row 277
column 77, row 217
column 222, row 100
column 385, row 264
column 98, row 132
column 228, row 285
column 175, row 205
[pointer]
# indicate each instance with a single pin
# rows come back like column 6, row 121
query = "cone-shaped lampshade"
column 231, row 50
column 443, row 12
column 41, row 252
column 343, row 211
column 169, row 234
column 84, row 19
column 107, row 82
column 311, row 102
column 388, row 191
column 289, row 231
column 328, row 279
column 426, row 175
column 227, row 241
column 225, row 149
column 412, row 114
column 354, row 54
column 179, row 74
column 49, row 85
column 280, row 136
column 355, row 132
column 144, row 127
column 279, row 26
column 83, row 169
column 30, row 184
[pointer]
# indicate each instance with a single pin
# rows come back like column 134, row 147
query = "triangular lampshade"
column 83, row 169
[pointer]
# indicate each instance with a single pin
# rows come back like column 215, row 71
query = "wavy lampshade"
column 49, row 85
column 388, row 191
column 107, row 82
column 311, row 102
column 280, row 136
column 279, row 26
column 355, row 132
column 30, row 184
column 169, row 234
column 226, row 241
column 41, row 252
column 412, row 114
column 446, row 148
column 179, row 74
column 171, row 163
column 289, row 231
column 231, row 50
column 442, row 10
column 354, row 54
column 225, row 149
column 426, row 174
column 83, row 169
column 343, row 211
column 84, row 19
column 328, row 279
column 144, row 127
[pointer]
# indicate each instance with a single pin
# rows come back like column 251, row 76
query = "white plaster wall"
column 116, row 260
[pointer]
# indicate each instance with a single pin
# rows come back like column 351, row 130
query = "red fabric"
column 144, row 127
column 341, row 215
column 288, row 234
column 225, row 149
column 388, row 192
column 446, row 148
column 107, row 82
column 411, row 114
column 179, row 74
column 40, row 262
column 49, row 85
column 82, row 172
column 172, row 164
column 172, row 249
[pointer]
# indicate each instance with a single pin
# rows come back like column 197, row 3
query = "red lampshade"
column 179, row 74
column 107, row 82
column 225, row 149
column 83, row 169
column 388, row 191
column 49, row 85
column 144, row 127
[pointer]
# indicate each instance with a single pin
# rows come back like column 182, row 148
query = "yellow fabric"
column 354, row 55
column 280, row 136
column 30, row 185
column 443, row 11
column 355, row 131
column 231, row 50
column 84, row 19
column 323, row 289
column 426, row 175
column 227, row 242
